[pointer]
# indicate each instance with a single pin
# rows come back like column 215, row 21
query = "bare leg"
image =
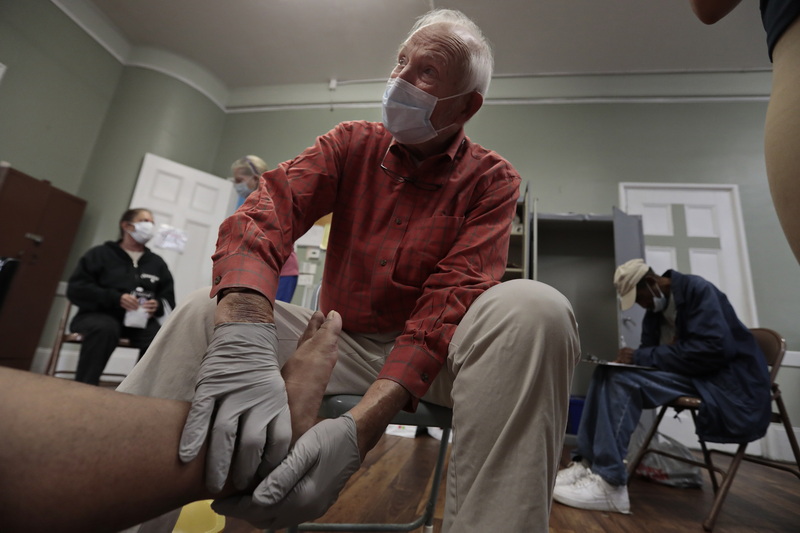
column 80, row 458
column 99, row 460
column 782, row 135
column 308, row 371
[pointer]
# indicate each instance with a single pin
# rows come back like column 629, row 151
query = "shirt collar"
column 453, row 150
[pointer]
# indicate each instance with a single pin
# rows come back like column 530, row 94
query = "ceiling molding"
column 517, row 89
column 97, row 26
column 181, row 69
column 551, row 89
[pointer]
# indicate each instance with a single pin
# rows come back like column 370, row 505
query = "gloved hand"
column 239, row 384
column 306, row 483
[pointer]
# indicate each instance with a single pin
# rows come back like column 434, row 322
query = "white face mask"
column 242, row 189
column 660, row 301
column 142, row 231
column 407, row 112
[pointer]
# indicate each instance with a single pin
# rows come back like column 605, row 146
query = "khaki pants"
column 508, row 375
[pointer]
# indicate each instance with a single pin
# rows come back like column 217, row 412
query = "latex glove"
column 306, row 483
column 239, row 384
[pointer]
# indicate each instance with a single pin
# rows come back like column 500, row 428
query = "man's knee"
column 531, row 302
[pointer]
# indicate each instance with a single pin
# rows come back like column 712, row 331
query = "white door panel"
column 696, row 229
column 193, row 201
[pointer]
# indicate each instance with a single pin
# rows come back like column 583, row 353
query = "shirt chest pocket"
column 425, row 243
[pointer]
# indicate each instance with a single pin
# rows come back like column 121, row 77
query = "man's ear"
column 472, row 105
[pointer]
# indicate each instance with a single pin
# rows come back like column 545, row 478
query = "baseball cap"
column 626, row 277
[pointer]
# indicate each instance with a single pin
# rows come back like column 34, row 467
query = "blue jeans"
column 612, row 409
column 286, row 287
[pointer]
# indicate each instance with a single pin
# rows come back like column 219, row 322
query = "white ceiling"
column 255, row 43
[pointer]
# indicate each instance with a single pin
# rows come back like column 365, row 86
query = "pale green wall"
column 150, row 112
column 278, row 136
column 55, row 93
column 70, row 113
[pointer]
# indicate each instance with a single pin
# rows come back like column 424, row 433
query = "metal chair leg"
column 643, row 450
column 719, row 499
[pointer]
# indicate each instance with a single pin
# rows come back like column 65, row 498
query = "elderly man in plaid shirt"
column 412, row 308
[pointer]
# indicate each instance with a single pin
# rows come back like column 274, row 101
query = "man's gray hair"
column 481, row 60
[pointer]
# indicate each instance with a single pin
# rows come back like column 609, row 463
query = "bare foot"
column 308, row 370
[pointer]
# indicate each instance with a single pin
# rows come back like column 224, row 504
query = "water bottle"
column 139, row 317
column 141, row 295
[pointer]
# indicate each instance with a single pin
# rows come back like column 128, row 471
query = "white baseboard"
column 121, row 361
column 791, row 359
column 776, row 444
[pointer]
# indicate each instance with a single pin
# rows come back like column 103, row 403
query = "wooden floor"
column 395, row 475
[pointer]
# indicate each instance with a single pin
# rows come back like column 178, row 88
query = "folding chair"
column 427, row 414
column 774, row 348
column 63, row 337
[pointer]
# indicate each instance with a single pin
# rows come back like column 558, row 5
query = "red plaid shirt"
column 401, row 258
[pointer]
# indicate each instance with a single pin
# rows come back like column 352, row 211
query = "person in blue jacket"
column 697, row 346
column 103, row 287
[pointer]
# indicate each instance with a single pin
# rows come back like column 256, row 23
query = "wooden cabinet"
column 38, row 225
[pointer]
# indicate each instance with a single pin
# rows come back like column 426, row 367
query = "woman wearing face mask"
column 246, row 173
column 103, row 287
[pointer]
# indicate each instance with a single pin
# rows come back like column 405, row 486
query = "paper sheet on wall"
column 169, row 238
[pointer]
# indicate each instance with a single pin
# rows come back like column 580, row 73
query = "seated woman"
column 111, row 280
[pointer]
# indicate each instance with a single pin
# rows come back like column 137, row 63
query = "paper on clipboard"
column 597, row 361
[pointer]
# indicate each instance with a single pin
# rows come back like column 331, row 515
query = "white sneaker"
column 572, row 473
column 594, row 493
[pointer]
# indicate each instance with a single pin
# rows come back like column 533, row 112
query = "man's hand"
column 306, row 483
column 239, row 385
column 625, row 356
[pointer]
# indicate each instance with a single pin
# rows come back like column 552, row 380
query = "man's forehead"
column 438, row 39
column 433, row 33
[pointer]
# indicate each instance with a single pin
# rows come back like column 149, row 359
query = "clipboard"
column 593, row 359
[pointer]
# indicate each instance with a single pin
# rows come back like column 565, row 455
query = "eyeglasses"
column 424, row 185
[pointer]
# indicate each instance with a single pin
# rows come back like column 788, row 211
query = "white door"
column 696, row 229
column 193, row 201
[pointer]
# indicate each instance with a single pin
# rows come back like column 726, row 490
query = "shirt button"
column 424, row 377
column 383, row 262
column 398, row 221
column 217, row 280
